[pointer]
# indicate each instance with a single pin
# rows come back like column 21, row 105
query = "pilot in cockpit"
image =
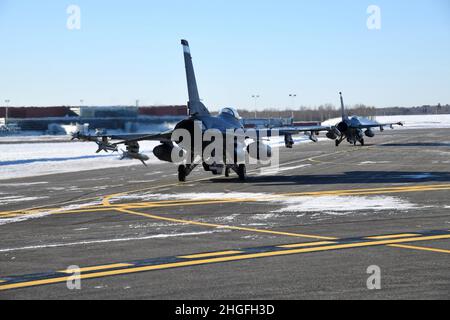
column 230, row 112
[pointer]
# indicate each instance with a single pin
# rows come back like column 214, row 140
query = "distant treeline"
column 329, row 111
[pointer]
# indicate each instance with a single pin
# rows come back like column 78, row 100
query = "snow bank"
column 37, row 159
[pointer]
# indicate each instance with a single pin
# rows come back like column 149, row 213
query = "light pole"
column 256, row 97
column 293, row 96
column 6, row 112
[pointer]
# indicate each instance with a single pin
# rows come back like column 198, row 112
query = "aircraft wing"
column 379, row 125
column 300, row 129
column 311, row 131
column 126, row 138
column 287, row 132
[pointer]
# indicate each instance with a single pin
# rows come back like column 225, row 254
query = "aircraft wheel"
column 362, row 142
column 227, row 172
column 242, row 172
column 337, row 143
column 182, row 173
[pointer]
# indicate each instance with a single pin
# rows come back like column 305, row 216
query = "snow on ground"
column 441, row 121
column 5, row 200
column 341, row 205
column 42, row 214
column 37, row 159
column 334, row 205
column 189, row 196
column 420, row 121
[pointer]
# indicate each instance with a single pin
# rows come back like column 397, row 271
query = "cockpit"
column 230, row 112
column 355, row 121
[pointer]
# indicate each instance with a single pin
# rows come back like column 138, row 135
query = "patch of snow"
column 38, row 159
column 227, row 218
column 269, row 171
column 44, row 213
column 264, row 216
column 16, row 199
column 373, row 162
column 189, row 196
column 12, row 185
column 340, row 205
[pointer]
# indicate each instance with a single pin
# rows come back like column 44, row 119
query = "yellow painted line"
column 308, row 244
column 395, row 236
column 105, row 267
column 212, row 254
column 9, row 216
column 212, row 225
column 220, row 260
column 419, row 248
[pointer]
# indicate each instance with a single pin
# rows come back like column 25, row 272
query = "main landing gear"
column 184, row 171
column 338, row 141
column 241, row 170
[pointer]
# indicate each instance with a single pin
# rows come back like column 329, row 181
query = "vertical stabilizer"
column 196, row 107
column 344, row 114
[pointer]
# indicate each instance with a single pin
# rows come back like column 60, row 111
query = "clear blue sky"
column 128, row 50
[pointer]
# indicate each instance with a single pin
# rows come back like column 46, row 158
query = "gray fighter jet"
column 354, row 129
column 199, row 117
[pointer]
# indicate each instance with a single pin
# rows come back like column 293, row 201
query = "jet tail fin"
column 196, row 107
column 343, row 113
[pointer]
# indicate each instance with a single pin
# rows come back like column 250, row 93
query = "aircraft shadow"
column 31, row 161
column 352, row 177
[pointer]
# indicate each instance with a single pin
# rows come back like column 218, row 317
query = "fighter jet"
column 201, row 120
column 354, row 129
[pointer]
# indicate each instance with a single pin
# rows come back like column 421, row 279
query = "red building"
column 35, row 112
column 163, row 111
